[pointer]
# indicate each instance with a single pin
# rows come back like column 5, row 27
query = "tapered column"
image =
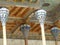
column 55, row 31
column 25, row 30
column 41, row 15
column 4, row 12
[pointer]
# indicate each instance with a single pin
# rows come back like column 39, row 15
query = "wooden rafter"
column 15, row 11
column 18, row 13
column 34, row 26
column 11, row 11
column 37, row 28
column 25, row 11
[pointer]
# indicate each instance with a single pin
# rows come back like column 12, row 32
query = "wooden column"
column 26, row 41
column 56, row 42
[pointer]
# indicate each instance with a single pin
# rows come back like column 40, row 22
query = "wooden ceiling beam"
column 57, row 23
column 25, row 12
column 22, row 10
column 31, row 24
column 48, row 31
column 13, row 23
column 15, row 18
column 12, row 10
column 29, row 13
column 26, row 16
column 34, row 26
column 17, row 30
column 15, row 11
column 14, row 29
column 38, row 27
column 18, row 13
column 10, row 25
